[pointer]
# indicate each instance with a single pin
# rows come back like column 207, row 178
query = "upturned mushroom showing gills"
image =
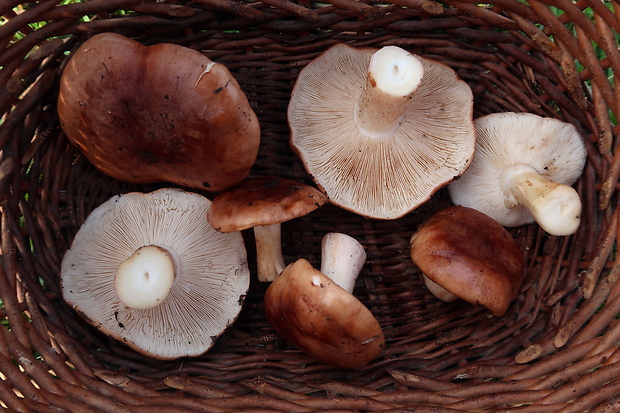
column 160, row 113
column 321, row 318
column 522, row 172
column 380, row 131
column 148, row 270
column 463, row 253
column 263, row 204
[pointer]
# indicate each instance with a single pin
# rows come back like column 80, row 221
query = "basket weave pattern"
column 556, row 349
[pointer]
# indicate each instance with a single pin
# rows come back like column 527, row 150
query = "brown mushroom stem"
column 143, row 281
column 342, row 259
column 556, row 207
column 269, row 258
column 394, row 75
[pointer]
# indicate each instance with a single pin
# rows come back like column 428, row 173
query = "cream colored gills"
column 380, row 130
column 149, row 270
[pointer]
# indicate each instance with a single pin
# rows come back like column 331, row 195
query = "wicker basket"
column 556, row 349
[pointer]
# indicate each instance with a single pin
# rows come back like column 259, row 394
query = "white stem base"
column 269, row 258
column 342, row 259
column 554, row 206
column 143, row 281
column 438, row 291
column 393, row 75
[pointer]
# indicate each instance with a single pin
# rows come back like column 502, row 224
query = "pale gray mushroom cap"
column 210, row 285
column 552, row 147
column 381, row 177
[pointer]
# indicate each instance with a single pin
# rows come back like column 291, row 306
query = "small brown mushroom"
column 263, row 204
column 160, row 113
column 465, row 254
column 320, row 317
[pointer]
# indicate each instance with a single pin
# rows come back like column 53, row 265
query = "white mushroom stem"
column 438, row 291
column 393, row 75
column 269, row 258
column 554, row 206
column 342, row 259
column 144, row 280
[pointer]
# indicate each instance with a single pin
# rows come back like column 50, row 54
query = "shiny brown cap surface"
column 322, row 319
column 470, row 255
column 263, row 201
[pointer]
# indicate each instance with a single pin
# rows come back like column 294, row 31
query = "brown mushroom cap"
column 157, row 113
column 263, row 204
column 471, row 256
column 263, row 201
column 320, row 318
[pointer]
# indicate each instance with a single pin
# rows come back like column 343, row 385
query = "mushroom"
column 160, row 113
column 380, row 131
column 320, row 317
column 522, row 170
column 148, row 270
column 463, row 253
column 263, row 204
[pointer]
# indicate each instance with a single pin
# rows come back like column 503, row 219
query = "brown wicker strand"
column 571, row 371
column 11, row 402
column 37, row 370
column 235, row 8
column 593, row 272
column 555, row 361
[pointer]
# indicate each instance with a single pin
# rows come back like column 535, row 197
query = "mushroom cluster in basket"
column 380, row 131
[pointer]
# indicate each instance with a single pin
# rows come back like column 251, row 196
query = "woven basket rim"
column 555, row 349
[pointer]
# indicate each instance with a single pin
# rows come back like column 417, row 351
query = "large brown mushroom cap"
column 322, row 319
column 158, row 113
column 471, row 256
